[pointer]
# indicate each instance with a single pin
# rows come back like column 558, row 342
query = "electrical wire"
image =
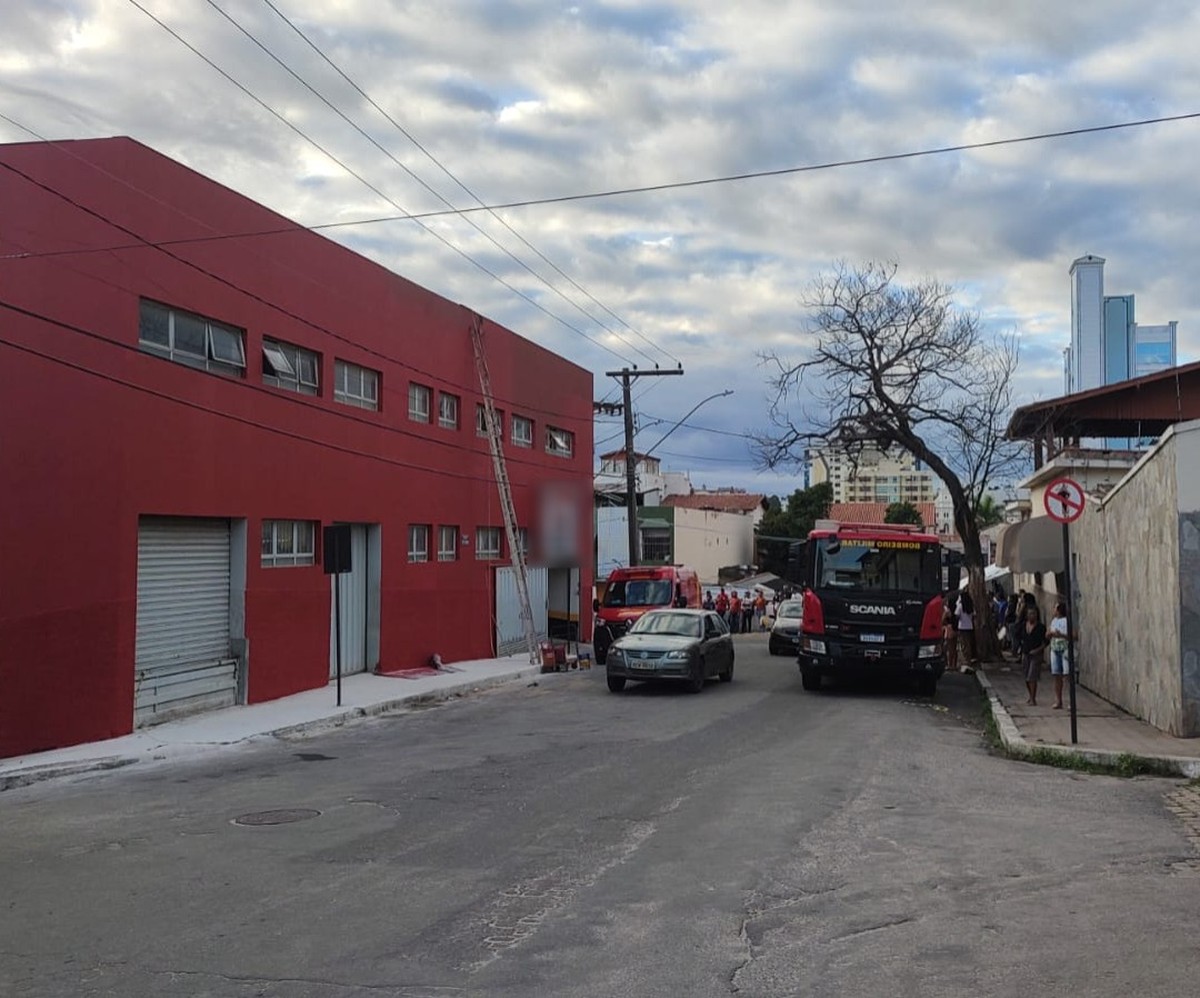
column 284, row 396
column 462, row 186
column 437, row 194
column 281, row 396
column 705, row 181
column 262, row 300
column 372, row 187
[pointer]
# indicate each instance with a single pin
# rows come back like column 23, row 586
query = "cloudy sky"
column 526, row 99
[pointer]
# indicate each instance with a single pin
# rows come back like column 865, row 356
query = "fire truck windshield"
column 877, row 565
column 638, row 592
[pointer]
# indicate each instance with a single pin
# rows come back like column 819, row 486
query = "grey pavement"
column 216, row 731
column 560, row 840
column 1106, row 733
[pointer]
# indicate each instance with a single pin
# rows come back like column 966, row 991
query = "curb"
column 52, row 771
column 322, row 724
column 1018, row 747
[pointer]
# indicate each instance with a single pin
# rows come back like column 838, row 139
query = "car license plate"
column 875, row 639
column 641, row 665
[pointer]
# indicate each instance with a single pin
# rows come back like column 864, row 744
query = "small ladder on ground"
column 495, row 442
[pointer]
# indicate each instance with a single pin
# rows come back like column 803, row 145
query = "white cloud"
column 522, row 99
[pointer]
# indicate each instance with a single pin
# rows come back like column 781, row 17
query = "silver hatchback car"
column 688, row 645
column 785, row 632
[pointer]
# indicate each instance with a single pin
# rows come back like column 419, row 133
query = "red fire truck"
column 872, row 604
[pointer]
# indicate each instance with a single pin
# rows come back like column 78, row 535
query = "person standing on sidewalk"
column 950, row 633
column 1060, row 665
column 734, row 620
column 966, row 627
column 1033, row 643
column 747, row 612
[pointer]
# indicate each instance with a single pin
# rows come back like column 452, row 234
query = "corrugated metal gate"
column 354, row 607
column 510, row 635
column 182, row 662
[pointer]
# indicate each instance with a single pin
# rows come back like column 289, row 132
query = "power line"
column 366, row 183
column 282, row 396
column 437, row 194
column 672, row 185
column 259, row 298
column 446, row 170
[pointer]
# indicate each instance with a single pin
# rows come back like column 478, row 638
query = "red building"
column 191, row 387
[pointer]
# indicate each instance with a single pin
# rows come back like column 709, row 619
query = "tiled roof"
column 720, row 502
column 874, row 512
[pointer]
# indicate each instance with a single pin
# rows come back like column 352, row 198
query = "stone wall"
column 1127, row 563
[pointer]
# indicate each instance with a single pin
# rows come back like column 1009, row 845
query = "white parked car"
column 785, row 632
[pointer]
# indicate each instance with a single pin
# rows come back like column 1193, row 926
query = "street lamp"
column 630, row 460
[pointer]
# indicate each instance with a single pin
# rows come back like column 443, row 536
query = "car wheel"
column 927, row 686
column 771, row 648
column 727, row 675
column 696, row 683
column 810, row 679
column 616, row 684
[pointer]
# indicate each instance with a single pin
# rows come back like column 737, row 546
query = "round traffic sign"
column 1064, row 500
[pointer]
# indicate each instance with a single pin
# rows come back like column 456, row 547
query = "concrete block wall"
column 1127, row 555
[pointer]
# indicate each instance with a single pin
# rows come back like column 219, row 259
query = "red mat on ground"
column 419, row 673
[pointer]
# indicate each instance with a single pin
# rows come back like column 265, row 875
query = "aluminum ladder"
column 495, row 443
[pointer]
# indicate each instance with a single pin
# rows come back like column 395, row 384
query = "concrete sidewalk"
column 1107, row 735
column 363, row 695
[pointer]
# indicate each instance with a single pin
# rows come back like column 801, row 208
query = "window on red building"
column 286, row 365
column 355, row 385
column 191, row 339
column 522, row 431
column 560, row 443
column 447, row 411
column 418, row 542
column 447, row 543
column 288, row 542
column 418, row 402
column 487, row 543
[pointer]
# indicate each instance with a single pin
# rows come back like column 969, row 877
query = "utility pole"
column 628, row 376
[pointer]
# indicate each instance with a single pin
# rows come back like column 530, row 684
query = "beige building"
column 872, row 476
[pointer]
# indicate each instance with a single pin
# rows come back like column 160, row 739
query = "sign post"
column 335, row 559
column 1064, row 502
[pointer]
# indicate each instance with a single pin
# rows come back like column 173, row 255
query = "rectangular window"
column 447, row 543
column 354, row 385
column 418, row 542
column 560, row 443
column 656, row 544
column 447, row 411
column 522, row 431
column 487, row 543
column 288, row 542
column 481, row 421
column 191, row 339
column 286, row 365
column 418, row 403
column 523, row 541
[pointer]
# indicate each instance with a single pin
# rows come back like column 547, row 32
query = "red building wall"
column 96, row 432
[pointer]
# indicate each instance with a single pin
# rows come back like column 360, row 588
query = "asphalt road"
column 561, row 840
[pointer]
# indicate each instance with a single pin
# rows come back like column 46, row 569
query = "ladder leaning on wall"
column 495, row 443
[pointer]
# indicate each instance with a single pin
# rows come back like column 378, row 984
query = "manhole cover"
column 284, row 816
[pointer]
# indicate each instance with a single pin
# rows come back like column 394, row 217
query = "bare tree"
column 900, row 365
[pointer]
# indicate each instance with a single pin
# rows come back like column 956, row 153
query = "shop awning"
column 1033, row 545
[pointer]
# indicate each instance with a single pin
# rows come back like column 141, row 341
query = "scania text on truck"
column 872, row 604
column 630, row 592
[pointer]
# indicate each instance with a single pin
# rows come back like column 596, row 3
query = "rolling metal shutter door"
column 183, row 661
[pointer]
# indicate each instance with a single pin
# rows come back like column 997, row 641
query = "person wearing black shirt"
column 1033, row 642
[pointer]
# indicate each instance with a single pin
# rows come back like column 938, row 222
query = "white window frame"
column 291, row 367
column 363, row 397
column 447, row 543
column 523, row 438
column 488, row 553
column 224, row 350
column 447, row 411
column 420, row 397
column 481, row 421
column 288, row 543
column 418, row 543
column 523, row 541
column 560, row 442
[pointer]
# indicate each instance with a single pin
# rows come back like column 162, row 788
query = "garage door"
column 183, row 661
